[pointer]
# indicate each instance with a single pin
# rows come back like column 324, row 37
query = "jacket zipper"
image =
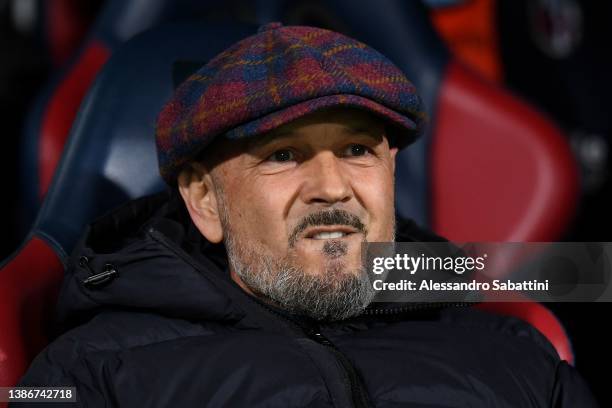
column 359, row 394
column 357, row 389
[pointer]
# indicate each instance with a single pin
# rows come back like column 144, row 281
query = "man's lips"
column 328, row 232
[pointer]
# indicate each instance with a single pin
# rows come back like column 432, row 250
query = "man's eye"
column 282, row 155
column 357, row 150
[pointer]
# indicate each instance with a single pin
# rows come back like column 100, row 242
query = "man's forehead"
column 347, row 120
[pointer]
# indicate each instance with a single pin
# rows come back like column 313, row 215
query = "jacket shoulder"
column 68, row 358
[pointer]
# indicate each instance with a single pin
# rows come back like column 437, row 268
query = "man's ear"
column 391, row 136
column 393, row 153
column 196, row 186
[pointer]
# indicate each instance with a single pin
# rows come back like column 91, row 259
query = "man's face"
column 296, row 205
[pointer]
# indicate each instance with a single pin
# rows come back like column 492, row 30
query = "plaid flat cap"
column 276, row 76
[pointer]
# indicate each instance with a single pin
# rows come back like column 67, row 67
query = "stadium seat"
column 110, row 158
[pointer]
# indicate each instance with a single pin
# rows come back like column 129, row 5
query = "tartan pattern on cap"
column 273, row 77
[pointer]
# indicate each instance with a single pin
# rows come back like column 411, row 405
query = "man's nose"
column 326, row 180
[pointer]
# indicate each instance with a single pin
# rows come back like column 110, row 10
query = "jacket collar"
column 163, row 264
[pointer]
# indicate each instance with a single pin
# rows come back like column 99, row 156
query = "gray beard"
column 335, row 294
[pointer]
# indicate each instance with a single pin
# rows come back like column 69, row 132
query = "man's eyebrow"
column 267, row 137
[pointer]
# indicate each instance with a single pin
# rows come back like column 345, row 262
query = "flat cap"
column 276, row 76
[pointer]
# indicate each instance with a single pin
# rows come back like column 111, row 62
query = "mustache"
column 328, row 217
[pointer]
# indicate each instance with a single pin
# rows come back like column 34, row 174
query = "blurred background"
column 550, row 53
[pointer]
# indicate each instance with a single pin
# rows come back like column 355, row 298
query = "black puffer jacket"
column 170, row 329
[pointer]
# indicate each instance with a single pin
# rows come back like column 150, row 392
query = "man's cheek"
column 383, row 224
column 264, row 227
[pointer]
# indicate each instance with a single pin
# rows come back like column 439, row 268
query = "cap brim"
column 412, row 128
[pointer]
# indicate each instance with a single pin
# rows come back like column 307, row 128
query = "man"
column 244, row 286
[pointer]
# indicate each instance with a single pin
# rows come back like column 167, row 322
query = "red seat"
column 29, row 283
column 500, row 170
